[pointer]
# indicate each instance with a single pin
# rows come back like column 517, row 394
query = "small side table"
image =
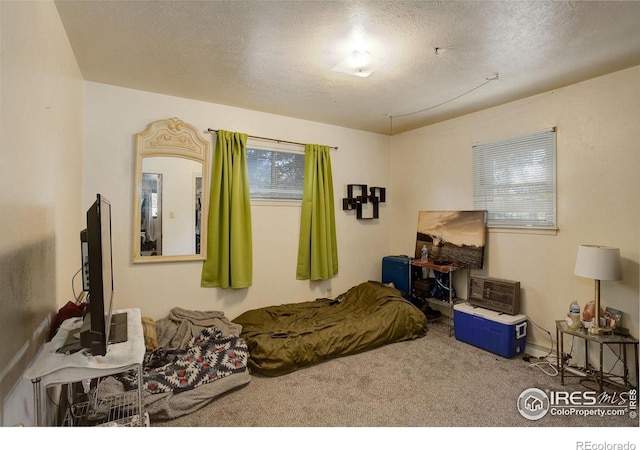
column 601, row 340
column 51, row 368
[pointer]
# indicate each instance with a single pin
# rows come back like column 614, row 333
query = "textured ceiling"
column 278, row 56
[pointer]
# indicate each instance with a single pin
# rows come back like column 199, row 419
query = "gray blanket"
column 181, row 325
column 175, row 331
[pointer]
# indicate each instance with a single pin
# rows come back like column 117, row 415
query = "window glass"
column 275, row 174
column 514, row 180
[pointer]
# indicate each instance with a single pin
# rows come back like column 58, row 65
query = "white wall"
column 598, row 156
column 114, row 115
column 40, row 188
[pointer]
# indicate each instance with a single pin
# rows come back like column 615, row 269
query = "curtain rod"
column 279, row 141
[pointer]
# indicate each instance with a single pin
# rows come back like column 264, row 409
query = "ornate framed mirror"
column 170, row 205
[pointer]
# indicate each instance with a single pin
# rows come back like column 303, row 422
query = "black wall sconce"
column 374, row 195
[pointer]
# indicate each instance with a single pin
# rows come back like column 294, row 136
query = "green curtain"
column 229, row 245
column 317, row 248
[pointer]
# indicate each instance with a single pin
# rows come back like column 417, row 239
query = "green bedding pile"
column 288, row 337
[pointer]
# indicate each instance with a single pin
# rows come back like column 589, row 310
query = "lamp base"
column 600, row 331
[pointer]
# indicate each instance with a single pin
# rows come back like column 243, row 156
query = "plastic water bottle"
column 573, row 317
column 425, row 254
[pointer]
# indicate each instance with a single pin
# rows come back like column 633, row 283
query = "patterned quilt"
column 209, row 356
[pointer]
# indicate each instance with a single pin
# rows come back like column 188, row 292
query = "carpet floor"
column 434, row 381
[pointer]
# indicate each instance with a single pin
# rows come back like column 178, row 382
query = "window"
column 514, row 180
column 275, row 174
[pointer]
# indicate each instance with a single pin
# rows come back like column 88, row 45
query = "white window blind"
column 514, row 180
column 274, row 174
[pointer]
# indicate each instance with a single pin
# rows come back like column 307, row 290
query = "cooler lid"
column 506, row 319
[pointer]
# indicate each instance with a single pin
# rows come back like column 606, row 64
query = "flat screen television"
column 97, row 269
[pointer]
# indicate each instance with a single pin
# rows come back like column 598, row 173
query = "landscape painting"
column 452, row 237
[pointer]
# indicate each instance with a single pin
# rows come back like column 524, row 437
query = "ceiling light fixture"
column 359, row 54
column 359, row 63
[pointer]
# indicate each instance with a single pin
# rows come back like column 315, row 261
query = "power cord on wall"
column 610, row 373
column 79, row 298
column 543, row 363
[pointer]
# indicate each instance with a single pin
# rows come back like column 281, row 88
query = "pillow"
column 150, row 335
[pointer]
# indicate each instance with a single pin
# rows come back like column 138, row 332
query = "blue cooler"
column 499, row 333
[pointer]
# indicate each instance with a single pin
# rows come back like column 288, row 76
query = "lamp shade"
column 598, row 262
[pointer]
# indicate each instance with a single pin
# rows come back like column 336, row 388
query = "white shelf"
column 51, row 368
column 120, row 410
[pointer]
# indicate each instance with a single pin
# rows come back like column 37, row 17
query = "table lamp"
column 600, row 263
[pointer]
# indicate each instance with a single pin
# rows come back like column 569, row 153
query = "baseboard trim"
column 536, row 350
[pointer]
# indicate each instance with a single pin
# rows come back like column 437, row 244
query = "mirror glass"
column 169, row 208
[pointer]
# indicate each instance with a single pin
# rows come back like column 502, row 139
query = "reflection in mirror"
column 151, row 215
column 170, row 209
column 171, row 193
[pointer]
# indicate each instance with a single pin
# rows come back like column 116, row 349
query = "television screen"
column 94, row 334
